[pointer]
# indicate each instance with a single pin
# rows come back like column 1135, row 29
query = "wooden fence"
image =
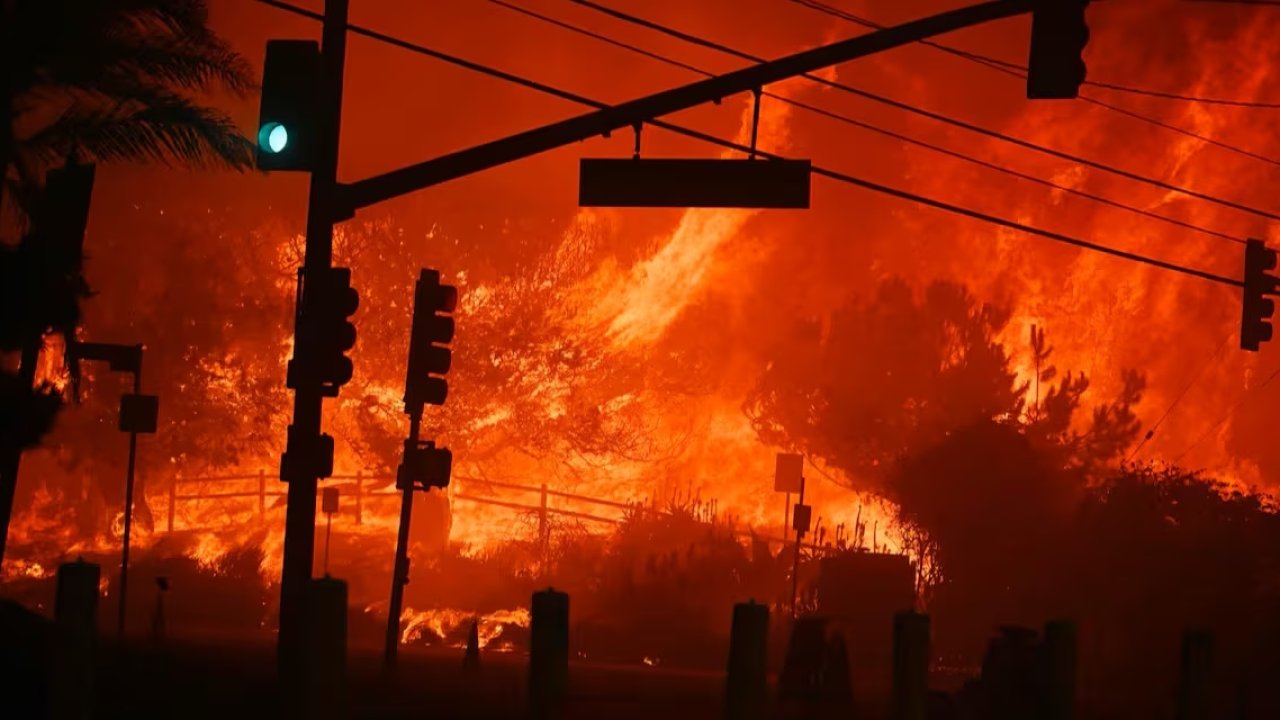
column 364, row 487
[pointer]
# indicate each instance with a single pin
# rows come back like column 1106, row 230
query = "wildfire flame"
column 445, row 624
column 588, row 326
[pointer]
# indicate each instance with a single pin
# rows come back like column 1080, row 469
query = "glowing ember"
column 18, row 568
column 446, row 624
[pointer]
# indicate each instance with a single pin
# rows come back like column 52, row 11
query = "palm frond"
column 68, row 43
column 168, row 128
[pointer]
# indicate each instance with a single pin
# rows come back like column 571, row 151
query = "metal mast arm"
column 566, row 132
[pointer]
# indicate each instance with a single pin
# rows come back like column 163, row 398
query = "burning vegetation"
column 1018, row 418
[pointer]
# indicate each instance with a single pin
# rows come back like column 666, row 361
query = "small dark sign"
column 329, row 500
column 800, row 517
column 138, row 413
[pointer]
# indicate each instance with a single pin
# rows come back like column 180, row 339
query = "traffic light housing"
column 424, row 466
column 1257, row 308
column 306, row 456
column 429, row 359
column 1059, row 33
column 325, row 331
column 288, row 116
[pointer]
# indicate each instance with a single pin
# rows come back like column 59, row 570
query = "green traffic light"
column 273, row 137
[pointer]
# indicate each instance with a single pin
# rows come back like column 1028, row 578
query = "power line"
column 1184, row 98
column 703, row 42
column 815, row 169
column 865, row 22
column 424, row 50
column 868, row 126
column 1020, row 71
column 1186, row 388
column 1270, row 3
column 1246, row 397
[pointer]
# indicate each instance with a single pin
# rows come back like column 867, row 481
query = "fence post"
column 543, row 529
column 173, row 499
column 359, row 496
column 262, row 493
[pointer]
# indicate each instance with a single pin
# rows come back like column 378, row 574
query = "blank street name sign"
column 681, row 182
column 786, row 474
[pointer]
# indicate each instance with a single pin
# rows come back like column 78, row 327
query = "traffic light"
column 306, row 456
column 288, row 114
column 1257, row 309
column 1059, row 33
column 325, row 332
column 429, row 361
column 424, row 467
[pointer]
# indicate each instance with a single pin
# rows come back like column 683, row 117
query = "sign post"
column 800, row 517
column 329, row 504
column 786, row 479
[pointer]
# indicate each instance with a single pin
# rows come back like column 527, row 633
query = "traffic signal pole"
column 400, row 571
column 300, row 515
column 128, row 513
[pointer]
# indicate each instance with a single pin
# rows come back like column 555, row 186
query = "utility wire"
column 866, row 22
column 814, row 169
column 868, row 126
column 1246, row 397
column 657, row 27
column 1020, row 71
column 1270, row 3
column 1190, row 383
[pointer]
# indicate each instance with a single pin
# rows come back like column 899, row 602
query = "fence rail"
column 357, row 485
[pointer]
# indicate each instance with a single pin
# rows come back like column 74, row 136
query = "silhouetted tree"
column 1158, row 549
column 887, row 376
column 912, row 395
column 110, row 80
column 114, row 80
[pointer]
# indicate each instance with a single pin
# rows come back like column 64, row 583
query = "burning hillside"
column 613, row 360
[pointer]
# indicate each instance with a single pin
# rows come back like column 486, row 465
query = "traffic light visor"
column 273, row 137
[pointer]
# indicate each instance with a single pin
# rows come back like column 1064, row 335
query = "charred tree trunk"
column 11, row 449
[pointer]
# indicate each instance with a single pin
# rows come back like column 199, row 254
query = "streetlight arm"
column 369, row 191
column 121, row 358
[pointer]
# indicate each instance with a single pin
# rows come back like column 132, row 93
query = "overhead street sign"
column 683, row 182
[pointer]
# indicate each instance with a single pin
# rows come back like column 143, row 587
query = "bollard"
column 326, row 695
column 1058, row 666
column 801, row 677
column 746, row 681
column 158, row 629
column 837, row 685
column 471, row 658
column 76, row 632
column 548, row 652
column 910, row 666
column 1194, row 680
column 1010, row 673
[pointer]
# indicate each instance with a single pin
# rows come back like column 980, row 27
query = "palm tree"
column 103, row 81
column 113, row 79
